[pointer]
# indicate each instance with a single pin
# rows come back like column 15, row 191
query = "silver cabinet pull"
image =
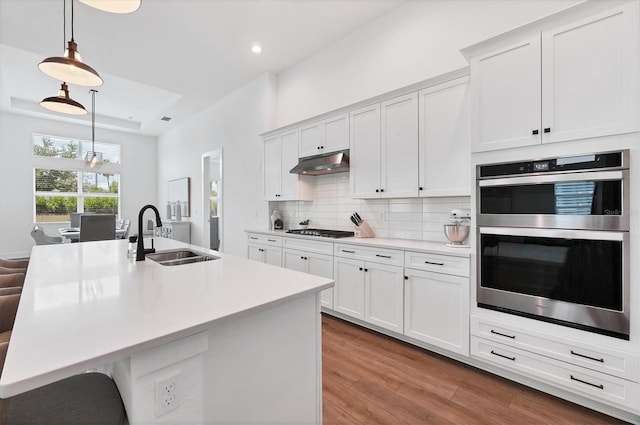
column 503, row 356
column 272, row 240
column 573, row 378
column 435, row 264
column 383, row 256
column 350, row 252
column 504, row 335
column 252, row 237
column 601, row 360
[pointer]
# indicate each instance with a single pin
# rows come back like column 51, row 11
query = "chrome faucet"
column 140, row 251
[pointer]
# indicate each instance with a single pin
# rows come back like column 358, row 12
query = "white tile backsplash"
column 405, row 218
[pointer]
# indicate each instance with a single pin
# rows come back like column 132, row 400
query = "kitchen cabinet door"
column 272, row 167
column 265, row 254
column 315, row 264
column 322, row 265
column 328, row 135
column 273, row 256
column 506, row 87
column 365, row 152
column 294, row 260
column 348, row 292
column 335, row 133
column 289, row 159
column 445, row 139
column 399, row 147
column 255, row 253
column 436, row 309
column 383, row 292
column 590, row 76
column 310, row 139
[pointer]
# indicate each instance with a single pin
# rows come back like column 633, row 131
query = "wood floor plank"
column 369, row 378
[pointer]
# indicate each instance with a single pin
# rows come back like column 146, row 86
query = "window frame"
column 77, row 165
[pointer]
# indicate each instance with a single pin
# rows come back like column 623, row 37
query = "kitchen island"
column 239, row 340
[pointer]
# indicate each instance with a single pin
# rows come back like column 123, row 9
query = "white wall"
column 232, row 124
column 413, row 42
column 138, row 175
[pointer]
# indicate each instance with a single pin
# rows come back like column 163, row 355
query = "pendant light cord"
column 93, row 121
column 64, row 24
column 71, row 20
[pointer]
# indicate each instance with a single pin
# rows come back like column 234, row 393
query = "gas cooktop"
column 324, row 233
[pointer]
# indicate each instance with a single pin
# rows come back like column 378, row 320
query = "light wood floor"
column 369, row 378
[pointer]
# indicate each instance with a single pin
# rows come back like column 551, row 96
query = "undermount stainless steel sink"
column 178, row 257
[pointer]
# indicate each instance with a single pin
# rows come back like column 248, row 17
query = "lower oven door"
column 570, row 277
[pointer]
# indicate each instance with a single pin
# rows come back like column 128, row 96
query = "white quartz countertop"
column 404, row 244
column 86, row 304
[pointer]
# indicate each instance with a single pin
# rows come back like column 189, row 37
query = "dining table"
column 71, row 234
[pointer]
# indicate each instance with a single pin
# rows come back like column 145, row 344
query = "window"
column 63, row 184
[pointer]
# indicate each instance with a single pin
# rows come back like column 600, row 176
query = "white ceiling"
column 170, row 58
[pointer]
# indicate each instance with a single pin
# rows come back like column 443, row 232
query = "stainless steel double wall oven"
column 553, row 240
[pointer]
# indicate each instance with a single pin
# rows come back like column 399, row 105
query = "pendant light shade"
column 70, row 68
column 114, row 6
column 63, row 103
column 93, row 158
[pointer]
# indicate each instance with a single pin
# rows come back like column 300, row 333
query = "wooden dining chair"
column 97, row 227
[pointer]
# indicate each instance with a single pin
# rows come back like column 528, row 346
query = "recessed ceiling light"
column 256, row 48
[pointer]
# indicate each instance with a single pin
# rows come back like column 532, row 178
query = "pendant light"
column 70, row 67
column 114, row 6
column 93, row 158
column 63, row 103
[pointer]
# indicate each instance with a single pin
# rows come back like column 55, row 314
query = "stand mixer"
column 457, row 231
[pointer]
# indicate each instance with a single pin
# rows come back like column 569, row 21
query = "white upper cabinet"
column 384, row 149
column 506, row 97
column 399, row 147
column 280, row 156
column 590, row 77
column 328, row 135
column 365, row 152
column 574, row 79
column 445, row 139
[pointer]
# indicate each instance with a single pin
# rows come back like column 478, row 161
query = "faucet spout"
column 140, row 251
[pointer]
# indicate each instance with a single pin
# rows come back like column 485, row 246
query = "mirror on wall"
column 180, row 194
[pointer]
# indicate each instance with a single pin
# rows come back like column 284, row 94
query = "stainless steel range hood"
column 336, row 162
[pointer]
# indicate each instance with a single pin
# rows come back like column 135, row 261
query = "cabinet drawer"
column 308, row 245
column 438, row 263
column 597, row 358
column 588, row 383
column 374, row 255
column 265, row 239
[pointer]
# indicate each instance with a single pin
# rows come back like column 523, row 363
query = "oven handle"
column 555, row 233
column 556, row 178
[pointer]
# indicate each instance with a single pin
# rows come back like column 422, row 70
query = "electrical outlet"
column 167, row 394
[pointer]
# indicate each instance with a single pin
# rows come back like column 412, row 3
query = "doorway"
column 212, row 199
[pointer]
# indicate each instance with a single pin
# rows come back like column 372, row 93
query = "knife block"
column 364, row 231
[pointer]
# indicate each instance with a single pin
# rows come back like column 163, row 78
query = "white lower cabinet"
column 436, row 309
column 593, row 371
column 265, row 249
column 312, row 263
column 588, row 383
column 369, row 291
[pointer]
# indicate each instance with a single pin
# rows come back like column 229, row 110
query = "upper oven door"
column 582, row 200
